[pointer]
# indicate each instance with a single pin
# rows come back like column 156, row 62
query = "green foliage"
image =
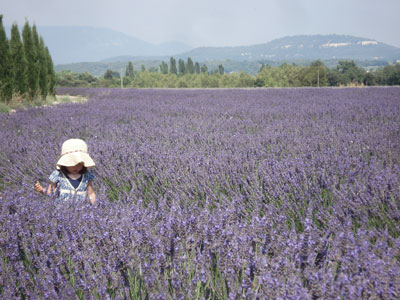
column 286, row 75
column 172, row 68
column 31, row 57
column 129, row 70
column 19, row 63
column 197, row 68
column 4, row 108
column 333, row 78
column 70, row 79
column 51, row 76
column 43, row 71
column 204, row 69
column 6, row 87
column 350, row 72
column 181, row 67
column 369, row 79
column 190, row 66
column 389, row 75
column 26, row 67
column 164, row 67
column 315, row 75
column 108, row 74
column 274, row 77
column 221, row 69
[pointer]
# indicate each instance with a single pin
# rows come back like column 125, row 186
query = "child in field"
column 71, row 179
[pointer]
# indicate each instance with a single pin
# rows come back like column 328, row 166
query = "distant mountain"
column 299, row 49
column 302, row 47
column 72, row 44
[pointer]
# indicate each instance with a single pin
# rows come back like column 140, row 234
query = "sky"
column 215, row 22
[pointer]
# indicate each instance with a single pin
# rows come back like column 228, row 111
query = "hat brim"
column 72, row 159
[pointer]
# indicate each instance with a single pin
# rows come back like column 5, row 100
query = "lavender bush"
column 207, row 194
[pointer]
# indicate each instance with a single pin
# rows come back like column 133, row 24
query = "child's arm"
column 91, row 194
column 38, row 187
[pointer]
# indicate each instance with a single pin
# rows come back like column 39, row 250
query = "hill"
column 295, row 48
column 302, row 47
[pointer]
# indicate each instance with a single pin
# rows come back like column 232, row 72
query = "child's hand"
column 38, row 187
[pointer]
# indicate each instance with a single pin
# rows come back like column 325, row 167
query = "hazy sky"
column 216, row 22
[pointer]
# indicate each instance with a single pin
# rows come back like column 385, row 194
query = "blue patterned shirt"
column 65, row 190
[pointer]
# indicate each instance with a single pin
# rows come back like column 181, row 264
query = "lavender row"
column 225, row 194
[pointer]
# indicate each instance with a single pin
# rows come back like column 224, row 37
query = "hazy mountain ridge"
column 310, row 47
column 73, row 44
column 292, row 49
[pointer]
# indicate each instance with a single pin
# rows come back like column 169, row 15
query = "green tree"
column 197, row 68
column 221, row 69
column 18, row 61
column 108, row 74
column 273, row 77
column 369, row 79
column 43, row 69
column 350, row 72
column 204, row 69
column 87, row 78
column 129, row 72
column 6, row 87
column 142, row 68
column 333, row 77
column 172, row 68
column 181, row 67
column 51, row 75
column 190, row 66
column 41, row 65
column 258, row 82
column 31, row 58
column 164, row 67
column 314, row 75
column 391, row 74
column 246, row 80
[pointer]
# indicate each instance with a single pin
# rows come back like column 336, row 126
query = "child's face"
column 75, row 169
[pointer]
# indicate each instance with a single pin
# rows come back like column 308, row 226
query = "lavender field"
column 207, row 194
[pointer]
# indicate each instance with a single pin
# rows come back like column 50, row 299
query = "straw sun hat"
column 73, row 152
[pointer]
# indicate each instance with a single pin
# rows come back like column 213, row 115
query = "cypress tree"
column 19, row 64
column 172, row 68
column 51, row 75
column 30, row 55
column 197, row 68
column 43, row 71
column 41, row 65
column 181, row 67
column 190, row 66
column 6, row 87
column 204, row 69
column 129, row 70
column 164, row 67
column 221, row 69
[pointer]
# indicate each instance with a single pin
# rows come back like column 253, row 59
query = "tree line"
column 189, row 74
column 26, row 66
